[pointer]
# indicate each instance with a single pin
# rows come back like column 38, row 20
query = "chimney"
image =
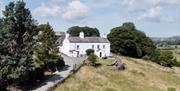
column 104, row 36
column 81, row 35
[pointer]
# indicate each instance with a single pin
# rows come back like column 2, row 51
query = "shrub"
column 167, row 59
column 93, row 59
column 104, row 57
column 60, row 63
column 89, row 51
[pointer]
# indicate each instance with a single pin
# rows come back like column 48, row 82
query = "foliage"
column 127, row 40
column 167, row 59
column 75, row 30
column 92, row 58
column 17, row 41
column 47, row 50
column 89, row 51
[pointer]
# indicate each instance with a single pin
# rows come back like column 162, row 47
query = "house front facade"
column 77, row 46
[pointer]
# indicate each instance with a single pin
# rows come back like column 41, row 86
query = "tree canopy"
column 75, row 30
column 17, row 41
column 127, row 40
column 25, row 52
column 47, row 50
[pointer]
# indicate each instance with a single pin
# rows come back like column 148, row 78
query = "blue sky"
column 157, row 18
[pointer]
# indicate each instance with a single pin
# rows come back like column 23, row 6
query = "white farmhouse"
column 77, row 46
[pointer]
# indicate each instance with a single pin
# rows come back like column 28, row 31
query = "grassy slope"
column 139, row 76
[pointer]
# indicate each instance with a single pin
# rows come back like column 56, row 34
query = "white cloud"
column 151, row 15
column 75, row 11
column 141, row 5
column 45, row 11
column 155, row 15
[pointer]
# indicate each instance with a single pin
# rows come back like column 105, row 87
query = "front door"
column 100, row 55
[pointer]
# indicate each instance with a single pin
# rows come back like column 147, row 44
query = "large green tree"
column 75, row 30
column 47, row 51
column 17, row 41
column 127, row 40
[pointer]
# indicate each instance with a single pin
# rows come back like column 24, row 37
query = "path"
column 59, row 76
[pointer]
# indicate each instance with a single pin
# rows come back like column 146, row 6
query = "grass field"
column 139, row 76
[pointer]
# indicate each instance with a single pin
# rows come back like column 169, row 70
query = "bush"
column 60, row 63
column 93, row 59
column 167, row 59
column 104, row 57
column 89, row 51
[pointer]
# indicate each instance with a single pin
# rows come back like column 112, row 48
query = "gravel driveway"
column 60, row 75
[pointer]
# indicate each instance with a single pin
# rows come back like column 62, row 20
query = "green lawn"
column 139, row 75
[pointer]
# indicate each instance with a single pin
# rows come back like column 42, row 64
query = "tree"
column 75, row 30
column 17, row 41
column 89, row 51
column 127, row 40
column 93, row 59
column 47, row 51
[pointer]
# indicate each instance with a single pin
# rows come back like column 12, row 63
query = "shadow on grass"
column 98, row 65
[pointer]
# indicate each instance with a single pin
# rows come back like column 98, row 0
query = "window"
column 98, row 47
column 103, row 46
column 92, row 46
column 77, row 47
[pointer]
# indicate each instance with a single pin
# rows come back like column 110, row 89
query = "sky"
column 157, row 18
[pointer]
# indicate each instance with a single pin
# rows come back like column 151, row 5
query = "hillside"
column 167, row 40
column 140, row 75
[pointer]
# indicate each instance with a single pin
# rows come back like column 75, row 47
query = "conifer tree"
column 47, row 51
column 17, row 41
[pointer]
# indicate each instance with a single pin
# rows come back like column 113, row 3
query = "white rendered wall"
column 84, row 46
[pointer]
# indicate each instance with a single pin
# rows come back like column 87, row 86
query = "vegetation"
column 93, row 59
column 140, row 75
column 75, row 30
column 24, row 53
column 17, row 43
column 167, row 59
column 167, row 41
column 127, row 40
column 89, row 51
column 47, row 50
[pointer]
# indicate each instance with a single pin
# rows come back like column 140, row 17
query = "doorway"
column 100, row 55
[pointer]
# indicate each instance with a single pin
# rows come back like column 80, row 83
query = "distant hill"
column 167, row 40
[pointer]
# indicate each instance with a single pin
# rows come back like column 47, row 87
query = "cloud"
column 142, row 5
column 155, row 15
column 151, row 15
column 75, row 11
column 45, row 11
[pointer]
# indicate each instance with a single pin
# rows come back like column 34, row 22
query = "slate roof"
column 61, row 37
column 88, row 40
